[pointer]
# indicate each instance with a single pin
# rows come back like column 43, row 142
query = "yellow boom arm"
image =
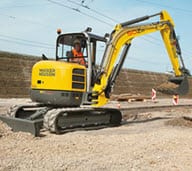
column 122, row 36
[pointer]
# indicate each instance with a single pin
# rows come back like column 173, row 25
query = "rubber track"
column 51, row 116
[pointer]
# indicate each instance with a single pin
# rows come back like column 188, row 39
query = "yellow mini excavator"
column 69, row 95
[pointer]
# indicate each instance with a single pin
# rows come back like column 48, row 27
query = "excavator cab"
column 88, row 42
column 66, row 43
column 65, row 81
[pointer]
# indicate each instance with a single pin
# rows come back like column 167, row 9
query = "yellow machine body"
column 58, row 83
column 57, row 75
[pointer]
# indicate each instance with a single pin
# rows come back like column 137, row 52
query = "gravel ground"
column 158, row 140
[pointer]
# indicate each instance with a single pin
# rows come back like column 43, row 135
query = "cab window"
column 65, row 45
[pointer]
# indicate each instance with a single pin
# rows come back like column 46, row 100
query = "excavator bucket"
column 175, row 85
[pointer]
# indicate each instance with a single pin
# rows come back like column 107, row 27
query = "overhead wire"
column 138, row 60
column 79, row 11
column 26, row 20
column 21, row 6
column 28, row 41
column 20, row 41
column 93, row 10
column 25, row 44
column 167, row 6
column 156, row 42
column 173, row 8
column 9, row 16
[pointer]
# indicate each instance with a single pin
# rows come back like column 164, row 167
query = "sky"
column 29, row 27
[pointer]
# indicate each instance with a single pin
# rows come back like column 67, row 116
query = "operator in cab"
column 77, row 55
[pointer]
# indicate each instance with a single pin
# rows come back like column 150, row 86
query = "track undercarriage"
column 33, row 118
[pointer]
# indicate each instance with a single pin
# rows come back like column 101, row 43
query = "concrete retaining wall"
column 138, row 82
column 15, row 73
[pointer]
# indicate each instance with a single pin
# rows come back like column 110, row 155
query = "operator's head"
column 77, row 45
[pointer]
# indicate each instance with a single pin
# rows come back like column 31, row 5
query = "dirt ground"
column 160, row 140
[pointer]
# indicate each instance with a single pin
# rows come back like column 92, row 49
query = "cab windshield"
column 66, row 44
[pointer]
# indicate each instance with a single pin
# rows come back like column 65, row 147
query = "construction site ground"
column 158, row 140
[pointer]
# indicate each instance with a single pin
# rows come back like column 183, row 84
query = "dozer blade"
column 24, row 125
column 175, row 85
column 25, row 118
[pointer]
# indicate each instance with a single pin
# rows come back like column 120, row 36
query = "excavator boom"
column 121, row 38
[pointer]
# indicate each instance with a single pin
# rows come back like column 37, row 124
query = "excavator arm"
column 119, row 44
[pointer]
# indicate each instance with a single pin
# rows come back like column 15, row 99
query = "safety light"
column 59, row 31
